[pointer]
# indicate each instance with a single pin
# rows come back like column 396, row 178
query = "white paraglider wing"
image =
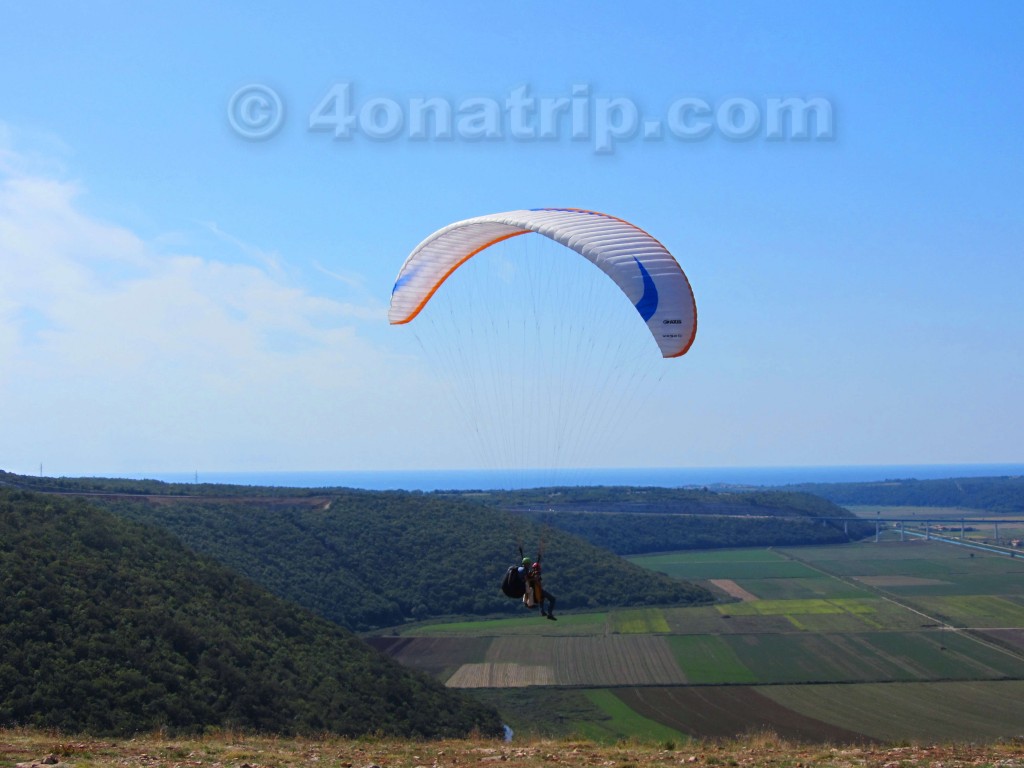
column 638, row 264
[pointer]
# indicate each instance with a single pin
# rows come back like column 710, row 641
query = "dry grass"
column 230, row 750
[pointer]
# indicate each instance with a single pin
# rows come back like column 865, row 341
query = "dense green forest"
column 631, row 521
column 993, row 494
column 634, row 534
column 122, row 486
column 371, row 559
column 680, row 501
column 112, row 627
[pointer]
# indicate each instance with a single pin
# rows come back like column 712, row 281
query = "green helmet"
column 526, row 562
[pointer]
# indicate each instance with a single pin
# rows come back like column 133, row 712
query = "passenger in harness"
column 524, row 581
column 536, row 590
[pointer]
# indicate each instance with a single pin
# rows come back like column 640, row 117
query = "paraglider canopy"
column 639, row 265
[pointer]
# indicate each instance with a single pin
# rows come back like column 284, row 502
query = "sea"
column 674, row 477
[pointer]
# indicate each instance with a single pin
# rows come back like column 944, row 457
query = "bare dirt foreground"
column 32, row 748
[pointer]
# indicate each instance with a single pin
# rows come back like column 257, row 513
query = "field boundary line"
column 945, row 625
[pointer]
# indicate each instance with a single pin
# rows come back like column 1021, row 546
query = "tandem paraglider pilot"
column 524, row 581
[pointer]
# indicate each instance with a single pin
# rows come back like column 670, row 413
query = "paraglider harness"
column 517, row 577
column 513, row 584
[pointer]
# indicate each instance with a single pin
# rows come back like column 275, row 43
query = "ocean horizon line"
column 669, row 477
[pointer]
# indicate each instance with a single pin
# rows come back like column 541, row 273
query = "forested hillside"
column 117, row 485
column 634, row 534
column 369, row 559
column 993, row 494
column 631, row 521
column 656, row 500
column 112, row 627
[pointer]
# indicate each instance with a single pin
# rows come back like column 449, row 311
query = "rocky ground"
column 27, row 749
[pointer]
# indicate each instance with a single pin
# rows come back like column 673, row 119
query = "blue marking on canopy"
column 648, row 303
column 403, row 279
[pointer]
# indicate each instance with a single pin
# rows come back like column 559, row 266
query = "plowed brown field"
column 729, row 711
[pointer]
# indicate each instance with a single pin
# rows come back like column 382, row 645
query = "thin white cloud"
column 267, row 259
column 352, row 281
column 119, row 357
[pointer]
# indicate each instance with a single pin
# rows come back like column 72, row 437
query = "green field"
column 623, row 721
column 710, row 659
column 922, row 712
column 974, row 610
column 797, row 588
column 869, row 641
column 736, row 564
column 644, row 621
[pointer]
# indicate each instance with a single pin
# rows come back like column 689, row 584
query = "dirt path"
column 734, row 589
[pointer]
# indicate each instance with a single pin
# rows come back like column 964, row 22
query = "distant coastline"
column 492, row 479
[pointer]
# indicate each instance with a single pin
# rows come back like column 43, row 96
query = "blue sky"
column 175, row 296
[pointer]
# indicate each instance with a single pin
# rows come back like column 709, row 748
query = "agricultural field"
column 726, row 711
column 586, row 661
column 863, row 642
column 921, row 568
column 933, row 712
column 732, row 564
